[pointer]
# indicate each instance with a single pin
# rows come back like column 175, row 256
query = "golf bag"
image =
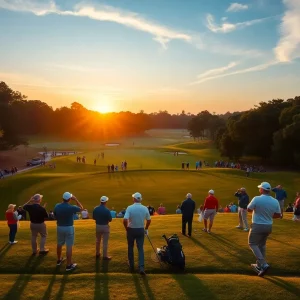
column 172, row 253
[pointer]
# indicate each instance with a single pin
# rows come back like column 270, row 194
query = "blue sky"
column 151, row 55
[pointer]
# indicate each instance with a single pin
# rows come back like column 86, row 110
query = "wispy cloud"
column 226, row 27
column 213, row 74
column 217, row 71
column 160, row 33
column 288, row 46
column 235, row 7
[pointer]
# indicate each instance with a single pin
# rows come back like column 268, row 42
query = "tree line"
column 269, row 131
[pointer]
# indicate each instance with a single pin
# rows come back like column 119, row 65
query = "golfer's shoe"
column 14, row 242
column 60, row 261
column 35, row 253
column 208, row 231
column 204, row 229
column 142, row 273
column 256, row 268
column 263, row 270
column 44, row 252
column 239, row 227
column 71, row 267
column 246, row 229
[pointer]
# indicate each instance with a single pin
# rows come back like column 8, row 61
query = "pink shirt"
column 161, row 210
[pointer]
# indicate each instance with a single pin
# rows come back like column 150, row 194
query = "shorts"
column 65, row 235
column 209, row 214
column 281, row 204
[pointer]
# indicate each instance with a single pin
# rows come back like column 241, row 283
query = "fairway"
column 215, row 264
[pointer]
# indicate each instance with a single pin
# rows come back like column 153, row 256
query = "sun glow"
column 104, row 105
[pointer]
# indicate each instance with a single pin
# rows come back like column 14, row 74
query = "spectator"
column 102, row 216
column 227, row 209
column 51, row 215
column 85, row 214
column 187, row 208
column 211, row 206
column 21, row 212
column 113, row 213
column 221, row 209
column 233, row 207
column 242, row 210
column 151, row 210
column 178, row 210
column 161, row 210
column 289, row 208
column 12, row 221
column 297, row 208
column 37, row 215
column 280, row 195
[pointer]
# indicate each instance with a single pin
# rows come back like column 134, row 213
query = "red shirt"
column 211, row 202
column 161, row 210
column 227, row 209
column 9, row 215
column 297, row 204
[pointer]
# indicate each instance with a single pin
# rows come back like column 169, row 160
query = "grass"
column 217, row 265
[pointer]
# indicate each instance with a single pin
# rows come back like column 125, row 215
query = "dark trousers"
column 138, row 235
column 188, row 220
column 12, row 232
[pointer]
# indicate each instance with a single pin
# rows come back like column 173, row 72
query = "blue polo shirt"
column 101, row 215
column 64, row 213
column 280, row 194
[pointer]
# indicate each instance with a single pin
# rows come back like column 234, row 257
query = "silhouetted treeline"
column 20, row 117
column 270, row 131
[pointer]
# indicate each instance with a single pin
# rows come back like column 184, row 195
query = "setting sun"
column 103, row 105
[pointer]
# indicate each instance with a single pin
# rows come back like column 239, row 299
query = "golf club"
column 154, row 250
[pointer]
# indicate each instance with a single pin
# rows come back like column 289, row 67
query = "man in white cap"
column 265, row 208
column 134, row 222
column 37, row 214
column 102, row 216
column 210, row 207
column 64, row 213
column 243, row 197
column 187, row 209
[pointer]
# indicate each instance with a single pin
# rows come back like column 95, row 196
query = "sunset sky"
column 151, row 55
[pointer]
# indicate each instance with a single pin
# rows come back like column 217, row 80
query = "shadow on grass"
column 101, row 280
column 209, row 250
column 284, row 284
column 138, row 282
column 50, row 285
column 21, row 282
column 193, row 287
column 283, row 243
column 4, row 250
column 241, row 253
column 60, row 294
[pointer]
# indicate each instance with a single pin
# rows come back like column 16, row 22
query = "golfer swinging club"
column 265, row 208
column 133, row 221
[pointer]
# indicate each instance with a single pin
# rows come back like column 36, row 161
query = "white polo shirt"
column 136, row 214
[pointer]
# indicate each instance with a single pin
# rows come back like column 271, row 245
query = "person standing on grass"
column 102, row 216
column 211, row 207
column 243, row 197
column 280, row 195
column 264, row 209
column 134, row 222
column 297, row 208
column 12, row 221
column 187, row 209
column 37, row 215
column 65, row 228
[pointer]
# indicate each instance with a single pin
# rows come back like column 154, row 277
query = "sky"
column 151, row 55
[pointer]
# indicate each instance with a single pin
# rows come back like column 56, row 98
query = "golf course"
column 217, row 265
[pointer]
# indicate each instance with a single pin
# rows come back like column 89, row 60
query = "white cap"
column 67, row 196
column 265, row 186
column 10, row 206
column 137, row 196
column 211, row 192
column 242, row 189
column 189, row 195
column 104, row 199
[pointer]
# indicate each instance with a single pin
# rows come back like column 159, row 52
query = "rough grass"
column 217, row 265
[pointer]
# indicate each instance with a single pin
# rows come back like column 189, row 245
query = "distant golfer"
column 243, row 197
column 37, row 215
column 265, row 208
column 280, row 195
column 187, row 209
column 102, row 216
column 211, row 207
column 134, row 220
column 65, row 230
